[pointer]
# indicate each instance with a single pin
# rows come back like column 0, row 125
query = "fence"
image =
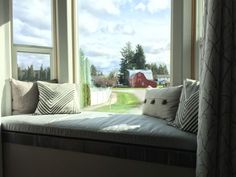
column 100, row 95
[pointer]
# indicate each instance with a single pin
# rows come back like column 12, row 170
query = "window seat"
column 136, row 137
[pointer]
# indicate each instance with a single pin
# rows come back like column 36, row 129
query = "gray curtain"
column 216, row 152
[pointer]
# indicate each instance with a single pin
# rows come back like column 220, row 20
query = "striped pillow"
column 57, row 99
column 188, row 114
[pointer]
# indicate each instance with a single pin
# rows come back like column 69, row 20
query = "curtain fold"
column 216, row 152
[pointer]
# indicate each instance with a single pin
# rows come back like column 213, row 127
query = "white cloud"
column 154, row 6
column 140, row 6
column 107, row 6
column 32, row 22
column 88, row 23
column 117, row 28
column 37, row 60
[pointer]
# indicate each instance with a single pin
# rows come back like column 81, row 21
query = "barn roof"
column 147, row 73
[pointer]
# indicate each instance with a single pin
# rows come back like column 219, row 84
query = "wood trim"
column 193, row 39
column 74, row 39
column 167, row 156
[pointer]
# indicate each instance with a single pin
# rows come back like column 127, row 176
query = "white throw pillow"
column 162, row 103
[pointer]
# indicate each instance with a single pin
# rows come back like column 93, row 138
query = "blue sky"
column 104, row 28
column 32, row 26
column 107, row 25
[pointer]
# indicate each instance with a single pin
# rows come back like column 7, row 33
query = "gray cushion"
column 123, row 128
column 188, row 107
column 162, row 103
column 57, row 98
column 25, row 96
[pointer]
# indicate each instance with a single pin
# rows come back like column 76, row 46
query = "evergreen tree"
column 42, row 73
column 165, row 70
column 19, row 71
column 162, row 70
column 127, row 62
column 48, row 73
column 154, row 68
column 30, row 73
column 94, row 71
column 139, row 57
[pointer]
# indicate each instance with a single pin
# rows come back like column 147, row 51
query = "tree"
column 139, row 57
column 48, row 73
column 112, row 79
column 94, row 71
column 20, row 74
column 42, row 73
column 162, row 70
column 154, row 68
column 127, row 62
column 30, row 73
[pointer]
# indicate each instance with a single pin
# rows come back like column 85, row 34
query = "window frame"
column 37, row 49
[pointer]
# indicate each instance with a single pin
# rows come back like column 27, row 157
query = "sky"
column 105, row 26
column 32, row 26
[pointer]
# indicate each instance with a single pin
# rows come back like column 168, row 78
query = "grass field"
column 128, row 88
column 125, row 102
column 131, row 88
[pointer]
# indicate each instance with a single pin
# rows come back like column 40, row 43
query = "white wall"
column 5, row 58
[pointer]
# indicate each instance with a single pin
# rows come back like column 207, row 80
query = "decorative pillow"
column 162, row 103
column 187, row 114
column 25, row 96
column 57, row 98
column 188, row 118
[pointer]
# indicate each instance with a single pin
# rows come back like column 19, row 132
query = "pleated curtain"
column 216, row 151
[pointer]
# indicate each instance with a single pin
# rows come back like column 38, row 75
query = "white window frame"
column 34, row 49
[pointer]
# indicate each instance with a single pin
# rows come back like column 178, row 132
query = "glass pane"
column 32, row 22
column 124, row 48
column 33, row 66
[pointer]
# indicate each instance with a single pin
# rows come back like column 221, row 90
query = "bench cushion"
column 120, row 128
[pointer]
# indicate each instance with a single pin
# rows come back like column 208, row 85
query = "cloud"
column 37, row 60
column 140, row 7
column 32, row 22
column 88, row 23
column 152, row 49
column 124, row 29
column 105, row 64
column 154, row 6
column 33, row 12
column 103, row 6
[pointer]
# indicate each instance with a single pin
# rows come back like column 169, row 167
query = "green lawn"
column 128, row 88
column 125, row 102
column 131, row 88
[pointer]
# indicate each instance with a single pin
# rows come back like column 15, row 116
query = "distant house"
column 141, row 78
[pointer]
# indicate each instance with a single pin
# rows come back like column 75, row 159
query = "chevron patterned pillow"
column 187, row 115
column 57, row 98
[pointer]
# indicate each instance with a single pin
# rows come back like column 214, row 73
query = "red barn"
column 141, row 79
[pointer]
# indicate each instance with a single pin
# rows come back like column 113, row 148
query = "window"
column 33, row 66
column 124, row 48
column 33, row 52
